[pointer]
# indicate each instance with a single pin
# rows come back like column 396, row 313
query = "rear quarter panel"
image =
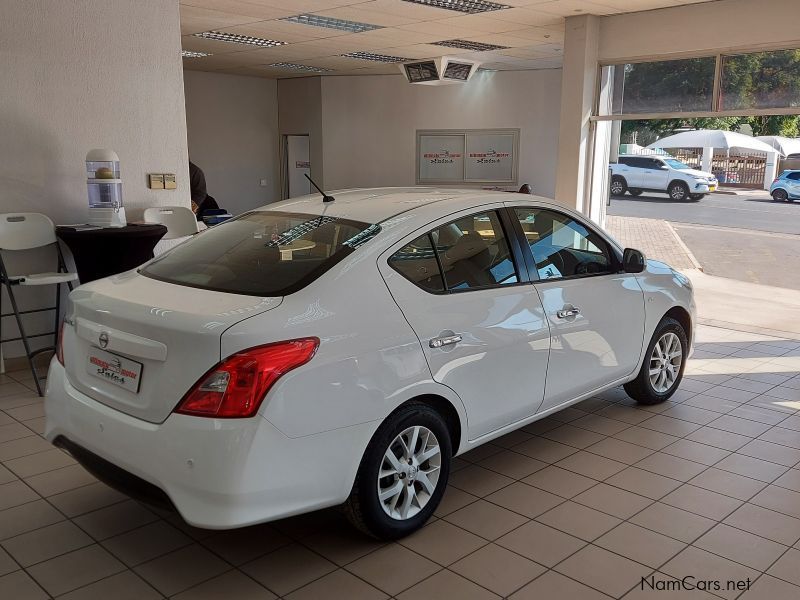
column 368, row 363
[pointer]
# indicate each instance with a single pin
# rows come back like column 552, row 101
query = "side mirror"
column 633, row 261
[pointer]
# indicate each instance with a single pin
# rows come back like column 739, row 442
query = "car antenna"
column 325, row 197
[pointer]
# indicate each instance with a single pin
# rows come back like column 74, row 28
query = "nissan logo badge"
column 103, row 339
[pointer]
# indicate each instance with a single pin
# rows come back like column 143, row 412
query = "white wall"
column 300, row 113
column 370, row 123
column 87, row 74
column 708, row 27
column 232, row 128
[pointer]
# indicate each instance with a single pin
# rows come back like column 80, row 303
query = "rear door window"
column 466, row 254
column 262, row 253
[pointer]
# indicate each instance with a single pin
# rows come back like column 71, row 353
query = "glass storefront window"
column 666, row 86
column 760, row 80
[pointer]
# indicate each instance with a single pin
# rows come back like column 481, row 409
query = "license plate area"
column 117, row 370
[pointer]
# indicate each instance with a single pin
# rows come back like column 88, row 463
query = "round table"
column 107, row 251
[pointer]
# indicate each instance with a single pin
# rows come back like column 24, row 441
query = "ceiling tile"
column 240, row 7
column 568, row 8
column 525, row 16
column 480, row 23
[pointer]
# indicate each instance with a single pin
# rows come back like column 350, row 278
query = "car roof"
column 374, row 205
column 644, row 156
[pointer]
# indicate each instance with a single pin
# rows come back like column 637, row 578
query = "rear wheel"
column 696, row 196
column 780, row 195
column 634, row 191
column 662, row 368
column 403, row 473
column 678, row 190
column 618, row 185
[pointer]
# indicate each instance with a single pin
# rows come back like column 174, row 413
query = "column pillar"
column 576, row 134
column 770, row 169
column 708, row 156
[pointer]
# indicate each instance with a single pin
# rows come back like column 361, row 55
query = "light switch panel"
column 155, row 181
column 169, row 181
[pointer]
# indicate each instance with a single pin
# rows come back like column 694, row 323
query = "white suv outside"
column 637, row 173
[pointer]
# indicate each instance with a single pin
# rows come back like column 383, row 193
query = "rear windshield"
column 261, row 253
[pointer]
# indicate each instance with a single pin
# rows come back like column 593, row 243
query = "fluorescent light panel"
column 384, row 58
column 467, row 45
column 331, row 23
column 297, row 67
column 466, row 6
column 193, row 54
column 222, row 36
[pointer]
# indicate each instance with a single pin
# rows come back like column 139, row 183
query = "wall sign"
column 467, row 156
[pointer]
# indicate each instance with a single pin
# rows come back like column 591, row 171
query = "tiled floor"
column 581, row 505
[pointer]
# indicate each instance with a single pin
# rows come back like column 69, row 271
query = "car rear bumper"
column 218, row 473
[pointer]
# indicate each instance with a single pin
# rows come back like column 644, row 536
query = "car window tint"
column 563, row 247
column 624, row 160
column 474, row 252
column 417, row 262
column 795, row 176
column 262, row 253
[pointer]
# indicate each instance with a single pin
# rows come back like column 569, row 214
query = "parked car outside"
column 786, row 187
column 636, row 173
column 309, row 354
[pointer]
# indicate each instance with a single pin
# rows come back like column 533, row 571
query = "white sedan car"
column 311, row 354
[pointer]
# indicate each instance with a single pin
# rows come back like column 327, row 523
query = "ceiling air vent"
column 439, row 71
column 457, row 71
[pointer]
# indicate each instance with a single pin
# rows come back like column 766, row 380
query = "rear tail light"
column 60, row 344
column 236, row 387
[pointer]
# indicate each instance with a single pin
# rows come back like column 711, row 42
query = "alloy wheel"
column 409, row 472
column 616, row 188
column 665, row 362
column 678, row 193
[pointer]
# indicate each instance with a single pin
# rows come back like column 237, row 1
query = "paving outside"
column 579, row 505
column 743, row 235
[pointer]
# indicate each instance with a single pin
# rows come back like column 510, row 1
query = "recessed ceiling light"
column 331, row 23
column 234, row 38
column 193, row 54
column 385, row 58
column 297, row 67
column 465, row 6
column 467, row 45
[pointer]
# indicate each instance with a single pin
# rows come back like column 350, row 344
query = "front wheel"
column 780, row 195
column 662, row 368
column 618, row 186
column 678, row 190
column 696, row 196
column 403, row 473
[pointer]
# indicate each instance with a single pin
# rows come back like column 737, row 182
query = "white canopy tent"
column 709, row 139
column 712, row 138
column 784, row 145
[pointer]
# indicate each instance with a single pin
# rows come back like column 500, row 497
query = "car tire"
column 696, row 197
column 678, row 190
column 373, row 507
column 618, row 186
column 659, row 377
column 635, row 191
column 780, row 195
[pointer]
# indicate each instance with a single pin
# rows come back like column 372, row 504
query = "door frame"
column 283, row 160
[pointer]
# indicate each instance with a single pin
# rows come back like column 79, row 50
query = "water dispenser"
column 105, row 189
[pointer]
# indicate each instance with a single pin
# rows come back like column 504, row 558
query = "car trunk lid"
column 138, row 344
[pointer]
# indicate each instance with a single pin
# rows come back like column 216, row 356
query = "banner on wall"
column 490, row 157
column 441, row 158
column 485, row 156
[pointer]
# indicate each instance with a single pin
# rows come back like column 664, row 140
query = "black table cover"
column 102, row 252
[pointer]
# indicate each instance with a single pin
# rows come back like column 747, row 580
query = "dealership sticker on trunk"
column 115, row 369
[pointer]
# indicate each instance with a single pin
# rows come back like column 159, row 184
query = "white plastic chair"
column 179, row 220
column 27, row 231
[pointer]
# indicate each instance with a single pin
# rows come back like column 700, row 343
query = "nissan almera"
column 311, row 354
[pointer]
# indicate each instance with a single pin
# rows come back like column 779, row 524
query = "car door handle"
column 445, row 340
column 565, row 313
